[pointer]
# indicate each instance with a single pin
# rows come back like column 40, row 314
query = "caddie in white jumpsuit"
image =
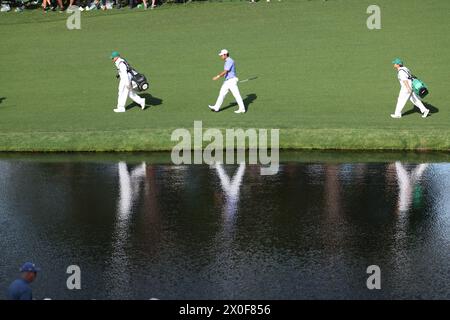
column 406, row 91
column 230, row 83
column 125, row 87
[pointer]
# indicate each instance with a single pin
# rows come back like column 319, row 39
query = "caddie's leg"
column 237, row 95
column 222, row 94
column 123, row 94
column 401, row 101
column 136, row 98
column 417, row 102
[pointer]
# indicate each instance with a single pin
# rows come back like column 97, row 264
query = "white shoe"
column 143, row 105
column 119, row 110
column 81, row 9
column 395, row 116
column 239, row 111
column 213, row 108
column 425, row 114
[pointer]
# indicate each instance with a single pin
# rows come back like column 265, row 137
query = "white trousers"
column 403, row 97
column 230, row 85
column 124, row 93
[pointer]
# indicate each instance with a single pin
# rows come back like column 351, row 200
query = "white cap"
column 223, row 51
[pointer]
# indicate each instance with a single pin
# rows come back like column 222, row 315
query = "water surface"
column 142, row 230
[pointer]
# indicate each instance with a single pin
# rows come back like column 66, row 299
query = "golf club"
column 248, row 79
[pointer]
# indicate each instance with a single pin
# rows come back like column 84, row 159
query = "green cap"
column 115, row 54
column 397, row 61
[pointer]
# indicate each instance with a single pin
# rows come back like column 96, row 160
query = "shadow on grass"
column 2, row 98
column 150, row 101
column 415, row 109
column 247, row 102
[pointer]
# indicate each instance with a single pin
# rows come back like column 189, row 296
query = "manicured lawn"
column 324, row 79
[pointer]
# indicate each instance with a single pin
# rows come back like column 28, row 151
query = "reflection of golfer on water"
column 406, row 183
column 231, row 188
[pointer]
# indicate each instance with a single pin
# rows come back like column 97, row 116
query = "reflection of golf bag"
column 138, row 80
column 418, row 86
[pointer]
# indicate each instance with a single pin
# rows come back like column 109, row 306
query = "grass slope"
column 324, row 79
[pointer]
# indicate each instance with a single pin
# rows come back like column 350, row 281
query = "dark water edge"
column 301, row 156
column 140, row 229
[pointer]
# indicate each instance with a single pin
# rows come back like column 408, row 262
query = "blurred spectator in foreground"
column 20, row 289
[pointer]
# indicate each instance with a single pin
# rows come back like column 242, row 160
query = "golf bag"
column 138, row 80
column 418, row 86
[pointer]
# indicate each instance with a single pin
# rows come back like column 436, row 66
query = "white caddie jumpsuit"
column 125, row 89
column 404, row 95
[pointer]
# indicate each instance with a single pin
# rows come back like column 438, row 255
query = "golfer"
column 125, row 88
column 406, row 92
column 20, row 289
column 230, row 83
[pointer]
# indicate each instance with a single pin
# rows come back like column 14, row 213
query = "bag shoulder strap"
column 410, row 75
column 126, row 64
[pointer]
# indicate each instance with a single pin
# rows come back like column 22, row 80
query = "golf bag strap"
column 127, row 65
column 410, row 75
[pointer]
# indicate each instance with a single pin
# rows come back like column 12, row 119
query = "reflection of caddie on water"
column 125, row 85
column 230, row 83
column 408, row 182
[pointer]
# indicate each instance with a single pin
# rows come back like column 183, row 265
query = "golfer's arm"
column 223, row 73
column 406, row 83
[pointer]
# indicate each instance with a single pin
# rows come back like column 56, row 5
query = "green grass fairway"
column 324, row 79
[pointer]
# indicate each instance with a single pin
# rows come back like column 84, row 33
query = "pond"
column 141, row 229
